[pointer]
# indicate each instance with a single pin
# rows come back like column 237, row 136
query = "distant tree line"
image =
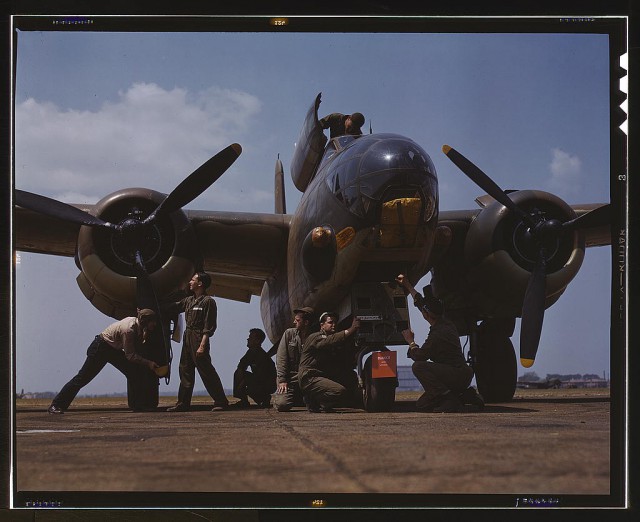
column 533, row 377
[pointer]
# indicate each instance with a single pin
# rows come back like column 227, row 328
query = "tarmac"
column 545, row 446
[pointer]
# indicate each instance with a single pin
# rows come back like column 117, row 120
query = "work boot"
column 426, row 404
column 449, row 404
column 220, row 406
column 311, row 404
column 313, row 408
column 472, row 397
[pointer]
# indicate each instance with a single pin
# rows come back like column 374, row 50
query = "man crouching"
column 325, row 373
column 439, row 363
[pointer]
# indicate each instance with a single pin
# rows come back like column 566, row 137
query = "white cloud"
column 566, row 172
column 150, row 137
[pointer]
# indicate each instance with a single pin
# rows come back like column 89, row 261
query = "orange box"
column 384, row 364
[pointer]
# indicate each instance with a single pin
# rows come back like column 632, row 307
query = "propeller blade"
column 145, row 294
column 54, row 208
column 485, row 182
column 533, row 312
column 146, row 298
column 198, row 181
column 598, row 217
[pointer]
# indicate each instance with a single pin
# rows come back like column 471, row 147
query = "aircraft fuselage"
column 369, row 212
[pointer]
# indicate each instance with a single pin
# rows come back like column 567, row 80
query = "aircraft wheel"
column 496, row 367
column 378, row 394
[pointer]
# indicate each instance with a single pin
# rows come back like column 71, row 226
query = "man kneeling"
column 325, row 373
column 439, row 363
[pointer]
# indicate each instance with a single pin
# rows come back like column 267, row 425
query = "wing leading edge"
column 240, row 250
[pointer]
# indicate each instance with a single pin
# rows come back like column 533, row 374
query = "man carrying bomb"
column 439, row 363
column 120, row 345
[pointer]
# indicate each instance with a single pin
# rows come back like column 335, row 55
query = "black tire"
column 495, row 366
column 378, row 394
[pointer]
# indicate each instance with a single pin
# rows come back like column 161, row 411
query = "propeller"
column 58, row 209
column 485, row 183
column 134, row 230
column 541, row 233
column 146, row 298
column 533, row 312
column 596, row 218
column 198, row 181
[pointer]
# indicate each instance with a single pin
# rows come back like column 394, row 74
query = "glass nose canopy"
column 371, row 166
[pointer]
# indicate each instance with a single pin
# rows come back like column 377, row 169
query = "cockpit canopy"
column 366, row 169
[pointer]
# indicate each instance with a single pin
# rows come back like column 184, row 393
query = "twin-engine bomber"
column 369, row 211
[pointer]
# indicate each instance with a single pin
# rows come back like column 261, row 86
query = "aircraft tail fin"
column 280, row 203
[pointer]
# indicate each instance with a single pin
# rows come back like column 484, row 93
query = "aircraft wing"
column 240, row 250
column 596, row 236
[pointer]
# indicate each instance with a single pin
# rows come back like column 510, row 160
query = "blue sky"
column 96, row 112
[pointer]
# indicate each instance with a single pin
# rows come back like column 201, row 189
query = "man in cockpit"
column 340, row 124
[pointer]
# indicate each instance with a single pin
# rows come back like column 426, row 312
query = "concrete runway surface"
column 549, row 446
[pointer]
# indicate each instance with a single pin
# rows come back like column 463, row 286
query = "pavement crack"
column 336, row 463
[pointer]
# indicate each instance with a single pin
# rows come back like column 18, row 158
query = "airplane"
column 368, row 211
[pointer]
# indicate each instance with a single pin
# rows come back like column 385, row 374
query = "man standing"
column 116, row 345
column 439, row 363
column 200, row 314
column 260, row 382
column 323, row 373
column 340, row 124
column 288, row 393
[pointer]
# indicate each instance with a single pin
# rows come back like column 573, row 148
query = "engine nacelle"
column 169, row 248
column 500, row 256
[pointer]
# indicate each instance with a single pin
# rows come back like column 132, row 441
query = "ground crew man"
column 117, row 345
column 260, row 382
column 200, row 314
column 439, row 363
column 340, row 124
column 323, row 374
column 288, row 393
